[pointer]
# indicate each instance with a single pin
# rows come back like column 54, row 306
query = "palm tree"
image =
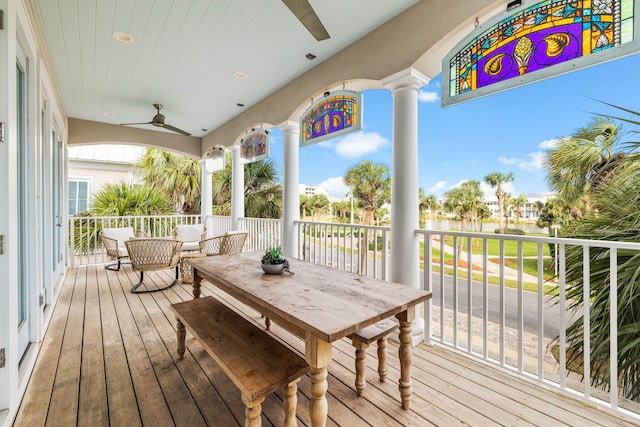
column 318, row 202
column 583, row 163
column 262, row 194
column 304, row 200
column 463, row 201
column 425, row 203
column 520, row 202
column 371, row 184
column 496, row 179
column 617, row 219
column 177, row 176
column 124, row 199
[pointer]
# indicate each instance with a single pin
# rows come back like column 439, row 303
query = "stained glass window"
column 255, row 145
column 335, row 114
column 542, row 36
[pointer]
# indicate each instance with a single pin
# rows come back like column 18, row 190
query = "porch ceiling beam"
column 82, row 132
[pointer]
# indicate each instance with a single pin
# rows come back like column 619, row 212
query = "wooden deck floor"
column 109, row 358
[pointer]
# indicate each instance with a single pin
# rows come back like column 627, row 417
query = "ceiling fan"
column 158, row 121
column 305, row 14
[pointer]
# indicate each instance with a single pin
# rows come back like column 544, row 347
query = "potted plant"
column 273, row 260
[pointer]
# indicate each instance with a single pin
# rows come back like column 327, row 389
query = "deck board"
column 109, row 358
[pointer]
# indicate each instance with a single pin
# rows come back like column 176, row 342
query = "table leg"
column 197, row 281
column 405, row 353
column 181, row 333
column 318, row 355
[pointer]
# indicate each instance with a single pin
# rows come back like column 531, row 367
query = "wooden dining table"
column 319, row 304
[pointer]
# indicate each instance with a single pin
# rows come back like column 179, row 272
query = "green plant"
column 273, row 255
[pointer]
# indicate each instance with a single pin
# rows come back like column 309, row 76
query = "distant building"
column 92, row 166
column 529, row 211
column 309, row 191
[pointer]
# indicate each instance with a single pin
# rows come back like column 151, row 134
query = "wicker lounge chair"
column 113, row 241
column 231, row 242
column 190, row 235
column 153, row 254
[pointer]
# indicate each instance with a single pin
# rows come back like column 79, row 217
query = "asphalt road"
column 551, row 313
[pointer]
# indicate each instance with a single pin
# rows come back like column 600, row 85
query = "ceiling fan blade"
column 175, row 129
column 129, row 124
column 307, row 16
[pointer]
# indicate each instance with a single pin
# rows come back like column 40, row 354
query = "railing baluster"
column 613, row 325
column 586, row 324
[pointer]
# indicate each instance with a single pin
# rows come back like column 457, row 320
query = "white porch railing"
column 481, row 307
column 348, row 247
column 489, row 306
column 263, row 233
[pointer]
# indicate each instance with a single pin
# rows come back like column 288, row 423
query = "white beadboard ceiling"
column 185, row 53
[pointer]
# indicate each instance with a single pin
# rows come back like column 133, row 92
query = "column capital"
column 289, row 126
column 235, row 147
column 406, row 79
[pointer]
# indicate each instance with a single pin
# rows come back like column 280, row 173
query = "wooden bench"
column 361, row 339
column 255, row 362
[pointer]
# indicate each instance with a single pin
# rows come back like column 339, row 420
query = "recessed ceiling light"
column 203, row 130
column 106, row 114
column 310, row 56
column 123, row 37
column 240, row 75
column 239, row 104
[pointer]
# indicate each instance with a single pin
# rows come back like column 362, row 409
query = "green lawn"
column 493, row 247
column 530, row 265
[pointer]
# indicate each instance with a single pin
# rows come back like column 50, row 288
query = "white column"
column 291, row 187
column 206, row 196
column 405, row 248
column 237, row 188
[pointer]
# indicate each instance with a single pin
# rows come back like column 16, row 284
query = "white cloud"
column 335, row 187
column 428, row 96
column 506, row 161
column 535, row 162
column 457, row 184
column 360, row 143
column 327, row 143
column 438, row 188
column 549, row 144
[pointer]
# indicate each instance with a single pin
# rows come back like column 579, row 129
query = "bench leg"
column 252, row 411
column 181, row 334
column 290, row 403
column 361, row 366
column 382, row 359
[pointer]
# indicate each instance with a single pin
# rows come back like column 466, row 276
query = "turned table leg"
column 318, row 355
column 181, row 333
column 405, row 353
column 197, row 282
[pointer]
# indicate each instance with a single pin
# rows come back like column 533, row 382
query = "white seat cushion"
column 191, row 246
column 121, row 235
column 189, row 233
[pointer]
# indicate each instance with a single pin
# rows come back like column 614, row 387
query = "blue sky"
column 504, row 132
